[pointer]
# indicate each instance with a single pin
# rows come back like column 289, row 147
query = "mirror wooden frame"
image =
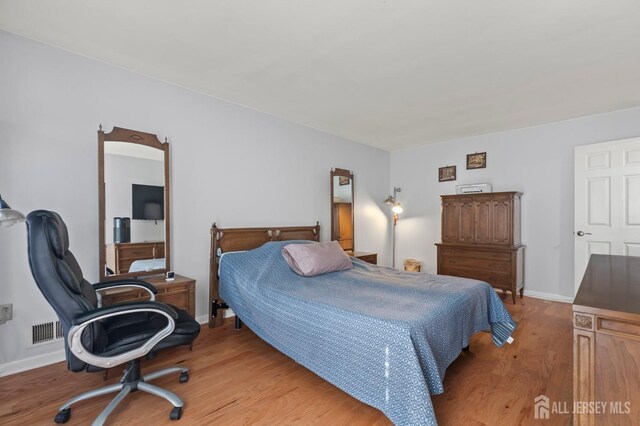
column 344, row 173
column 119, row 134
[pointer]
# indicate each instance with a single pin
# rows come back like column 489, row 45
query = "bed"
column 384, row 336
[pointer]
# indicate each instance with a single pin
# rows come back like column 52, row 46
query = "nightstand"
column 181, row 293
column 367, row 257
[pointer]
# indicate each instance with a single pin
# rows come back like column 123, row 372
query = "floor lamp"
column 8, row 216
column 396, row 209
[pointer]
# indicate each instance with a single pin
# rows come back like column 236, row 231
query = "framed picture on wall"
column 477, row 160
column 446, row 174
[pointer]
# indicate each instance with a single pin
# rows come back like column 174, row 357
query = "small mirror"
column 342, row 208
column 134, row 204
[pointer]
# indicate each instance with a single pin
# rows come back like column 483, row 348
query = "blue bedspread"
column 384, row 336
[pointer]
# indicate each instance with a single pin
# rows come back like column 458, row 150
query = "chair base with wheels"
column 131, row 381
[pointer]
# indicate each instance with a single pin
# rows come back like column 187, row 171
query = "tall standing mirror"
column 342, row 208
column 134, row 214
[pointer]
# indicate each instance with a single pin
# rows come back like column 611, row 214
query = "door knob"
column 582, row 234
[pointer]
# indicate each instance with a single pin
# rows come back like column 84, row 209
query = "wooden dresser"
column 606, row 341
column 481, row 239
column 181, row 293
column 120, row 256
column 367, row 257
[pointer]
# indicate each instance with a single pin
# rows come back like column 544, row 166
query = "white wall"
column 229, row 164
column 120, row 172
column 341, row 193
column 537, row 161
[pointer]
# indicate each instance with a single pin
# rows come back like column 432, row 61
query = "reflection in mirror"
column 342, row 208
column 133, row 205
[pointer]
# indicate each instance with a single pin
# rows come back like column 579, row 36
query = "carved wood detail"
column 583, row 321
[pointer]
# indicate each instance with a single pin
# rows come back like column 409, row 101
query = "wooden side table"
column 367, row 257
column 181, row 293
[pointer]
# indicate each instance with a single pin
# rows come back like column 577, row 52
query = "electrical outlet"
column 6, row 313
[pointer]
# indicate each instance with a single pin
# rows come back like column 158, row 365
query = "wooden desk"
column 606, row 341
column 181, row 293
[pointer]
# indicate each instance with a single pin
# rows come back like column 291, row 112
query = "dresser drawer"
column 496, row 280
column 136, row 252
column 478, row 254
column 490, row 265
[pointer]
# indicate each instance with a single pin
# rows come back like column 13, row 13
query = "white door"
column 607, row 201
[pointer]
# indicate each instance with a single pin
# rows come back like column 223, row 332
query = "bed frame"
column 237, row 239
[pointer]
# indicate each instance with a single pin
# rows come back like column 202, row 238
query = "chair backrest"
column 60, row 279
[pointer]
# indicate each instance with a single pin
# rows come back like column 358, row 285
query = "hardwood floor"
column 238, row 379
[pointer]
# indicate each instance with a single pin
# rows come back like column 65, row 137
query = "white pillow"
column 314, row 259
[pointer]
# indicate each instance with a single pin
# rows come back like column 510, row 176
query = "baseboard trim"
column 32, row 362
column 548, row 296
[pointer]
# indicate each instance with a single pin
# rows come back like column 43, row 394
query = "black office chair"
column 97, row 337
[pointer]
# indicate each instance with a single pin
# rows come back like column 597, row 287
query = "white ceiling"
column 392, row 73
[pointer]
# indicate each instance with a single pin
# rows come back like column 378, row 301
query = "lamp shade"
column 153, row 211
column 397, row 208
column 8, row 216
column 389, row 200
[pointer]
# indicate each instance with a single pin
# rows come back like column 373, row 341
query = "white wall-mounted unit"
column 473, row 188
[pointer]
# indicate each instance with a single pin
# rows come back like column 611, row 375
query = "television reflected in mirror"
column 147, row 202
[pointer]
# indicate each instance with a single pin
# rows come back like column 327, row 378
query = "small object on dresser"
column 121, row 229
column 169, row 276
column 474, row 188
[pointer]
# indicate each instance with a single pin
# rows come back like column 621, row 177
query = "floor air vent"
column 46, row 332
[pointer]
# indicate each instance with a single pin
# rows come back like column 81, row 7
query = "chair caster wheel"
column 63, row 416
column 184, row 377
column 176, row 413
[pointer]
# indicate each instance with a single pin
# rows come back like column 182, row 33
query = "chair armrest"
column 81, row 322
column 125, row 308
column 105, row 285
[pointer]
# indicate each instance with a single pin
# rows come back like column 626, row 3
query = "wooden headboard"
column 238, row 239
